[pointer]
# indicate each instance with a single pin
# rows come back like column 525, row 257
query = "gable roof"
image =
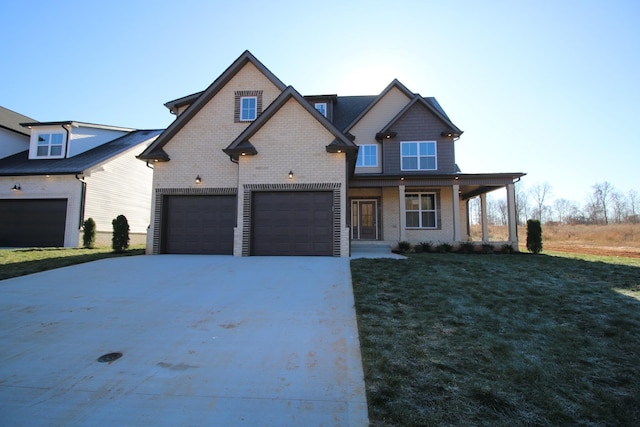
column 394, row 84
column 20, row 164
column 11, row 120
column 434, row 108
column 242, row 144
column 155, row 151
column 76, row 124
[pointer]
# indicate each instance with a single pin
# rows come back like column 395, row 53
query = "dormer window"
column 321, row 107
column 49, row 145
column 248, row 105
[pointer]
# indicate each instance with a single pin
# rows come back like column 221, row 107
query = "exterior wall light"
column 16, row 187
column 198, row 180
column 290, row 174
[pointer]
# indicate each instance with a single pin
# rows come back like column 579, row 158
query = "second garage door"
column 198, row 224
column 292, row 223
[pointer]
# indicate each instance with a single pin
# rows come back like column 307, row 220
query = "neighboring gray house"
column 67, row 172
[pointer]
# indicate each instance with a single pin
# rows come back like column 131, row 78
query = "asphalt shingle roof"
column 11, row 120
column 19, row 164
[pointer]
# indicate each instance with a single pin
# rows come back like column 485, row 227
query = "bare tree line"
column 604, row 205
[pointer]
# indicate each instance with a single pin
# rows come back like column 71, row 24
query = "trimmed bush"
column 444, row 248
column 120, row 240
column 467, row 247
column 88, row 233
column 426, row 246
column 487, row 248
column 404, row 246
column 534, row 236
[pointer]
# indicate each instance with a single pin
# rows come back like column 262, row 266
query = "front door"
column 364, row 225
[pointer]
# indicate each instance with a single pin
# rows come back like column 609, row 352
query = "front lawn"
column 20, row 262
column 500, row 340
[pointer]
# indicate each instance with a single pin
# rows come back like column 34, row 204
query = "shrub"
column 417, row 249
column 444, row 247
column 426, row 246
column 534, row 236
column 120, row 240
column 88, row 233
column 506, row 249
column 466, row 247
column 404, row 246
column 487, row 248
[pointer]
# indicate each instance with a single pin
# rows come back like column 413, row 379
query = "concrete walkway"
column 205, row 340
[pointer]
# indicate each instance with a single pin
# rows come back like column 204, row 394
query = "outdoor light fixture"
column 198, row 179
column 290, row 174
column 16, row 187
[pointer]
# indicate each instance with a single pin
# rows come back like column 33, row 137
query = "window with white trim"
column 50, row 145
column 321, row 107
column 367, row 156
column 418, row 156
column 420, row 210
column 248, row 108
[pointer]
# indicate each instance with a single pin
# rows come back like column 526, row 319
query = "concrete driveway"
column 205, row 340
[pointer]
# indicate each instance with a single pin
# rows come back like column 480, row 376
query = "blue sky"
column 550, row 88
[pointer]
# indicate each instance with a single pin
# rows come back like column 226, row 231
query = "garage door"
column 32, row 223
column 198, row 224
column 292, row 223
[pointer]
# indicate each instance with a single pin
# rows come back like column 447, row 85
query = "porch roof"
column 471, row 184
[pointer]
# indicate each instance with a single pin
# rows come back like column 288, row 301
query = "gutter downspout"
column 83, row 193
column 66, row 145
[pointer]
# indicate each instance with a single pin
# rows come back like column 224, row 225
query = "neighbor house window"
column 418, row 156
column 248, row 105
column 248, row 108
column 421, row 210
column 367, row 156
column 50, row 145
column 322, row 107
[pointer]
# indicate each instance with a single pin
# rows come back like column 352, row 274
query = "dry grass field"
column 611, row 239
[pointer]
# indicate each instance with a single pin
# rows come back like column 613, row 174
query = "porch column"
column 403, row 213
column 456, row 212
column 483, row 214
column 513, row 220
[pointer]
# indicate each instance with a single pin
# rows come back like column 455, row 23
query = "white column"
column 513, row 220
column 456, row 213
column 403, row 213
column 483, row 214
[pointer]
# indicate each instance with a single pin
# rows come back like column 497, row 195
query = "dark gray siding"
column 418, row 124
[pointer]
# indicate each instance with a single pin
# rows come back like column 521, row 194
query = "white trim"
column 37, row 136
column 362, row 152
column 375, row 212
column 418, row 157
column 255, row 109
column 317, row 104
column 420, row 210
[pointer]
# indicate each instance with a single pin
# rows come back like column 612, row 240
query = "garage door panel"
column 33, row 222
column 199, row 224
column 292, row 223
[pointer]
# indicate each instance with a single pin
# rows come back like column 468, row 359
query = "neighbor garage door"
column 32, row 223
column 198, row 224
column 292, row 223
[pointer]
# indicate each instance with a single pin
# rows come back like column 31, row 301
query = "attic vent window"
column 248, row 105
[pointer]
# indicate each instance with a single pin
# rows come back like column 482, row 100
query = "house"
column 13, row 137
column 67, row 172
column 251, row 167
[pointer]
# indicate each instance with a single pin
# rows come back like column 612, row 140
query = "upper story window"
column 420, row 210
column 321, row 107
column 248, row 108
column 418, row 156
column 50, row 145
column 367, row 156
column 248, row 105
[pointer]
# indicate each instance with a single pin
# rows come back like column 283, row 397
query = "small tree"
column 534, row 236
column 88, row 233
column 120, row 241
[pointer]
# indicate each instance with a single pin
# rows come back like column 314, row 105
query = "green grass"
column 20, row 262
column 500, row 340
